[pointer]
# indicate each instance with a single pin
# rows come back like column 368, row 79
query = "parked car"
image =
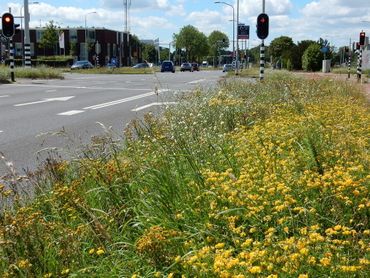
column 195, row 66
column 186, row 67
column 141, row 66
column 167, row 66
column 227, row 67
column 111, row 65
column 84, row 64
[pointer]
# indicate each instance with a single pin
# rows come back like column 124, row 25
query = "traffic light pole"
column 11, row 62
column 262, row 51
column 27, row 44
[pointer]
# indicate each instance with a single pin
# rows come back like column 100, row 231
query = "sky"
column 338, row 21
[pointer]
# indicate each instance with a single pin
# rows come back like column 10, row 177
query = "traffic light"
column 8, row 25
column 362, row 38
column 262, row 26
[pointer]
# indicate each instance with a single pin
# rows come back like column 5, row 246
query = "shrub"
column 312, row 58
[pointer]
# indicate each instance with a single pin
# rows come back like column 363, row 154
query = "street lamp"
column 86, row 51
column 220, row 2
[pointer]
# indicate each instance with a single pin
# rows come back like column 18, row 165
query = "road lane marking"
column 4, row 96
column 1, row 131
column 70, row 113
column 44, row 100
column 79, row 87
column 152, row 104
column 111, row 103
column 119, row 101
column 196, row 81
column 50, row 91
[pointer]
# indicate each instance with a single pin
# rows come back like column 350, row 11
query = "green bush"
column 312, row 58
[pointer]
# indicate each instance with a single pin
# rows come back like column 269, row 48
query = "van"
column 204, row 64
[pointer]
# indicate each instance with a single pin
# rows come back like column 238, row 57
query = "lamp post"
column 220, row 2
column 86, row 49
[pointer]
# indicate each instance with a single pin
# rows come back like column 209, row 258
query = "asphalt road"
column 33, row 112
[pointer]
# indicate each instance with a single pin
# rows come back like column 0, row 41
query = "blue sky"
column 335, row 20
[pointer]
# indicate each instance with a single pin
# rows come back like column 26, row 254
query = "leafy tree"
column 217, row 41
column 281, row 49
column 149, row 53
column 312, row 58
column 192, row 41
column 50, row 36
column 298, row 52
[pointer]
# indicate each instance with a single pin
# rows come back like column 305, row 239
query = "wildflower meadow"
column 247, row 179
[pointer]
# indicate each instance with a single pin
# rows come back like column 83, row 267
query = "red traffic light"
column 262, row 26
column 7, row 21
column 362, row 38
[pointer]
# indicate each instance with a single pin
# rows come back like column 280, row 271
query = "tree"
column 281, row 49
column 50, row 36
column 312, row 58
column 298, row 52
column 217, row 41
column 192, row 41
column 149, row 53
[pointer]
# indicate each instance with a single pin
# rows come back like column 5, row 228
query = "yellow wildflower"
column 220, row 245
column 255, row 269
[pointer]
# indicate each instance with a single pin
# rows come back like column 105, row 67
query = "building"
column 98, row 45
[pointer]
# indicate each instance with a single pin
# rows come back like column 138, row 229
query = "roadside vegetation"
column 246, row 180
column 41, row 72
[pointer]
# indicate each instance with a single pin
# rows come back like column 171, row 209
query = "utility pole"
column 27, row 44
column 237, row 40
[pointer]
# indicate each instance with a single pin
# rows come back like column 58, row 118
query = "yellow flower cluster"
column 294, row 201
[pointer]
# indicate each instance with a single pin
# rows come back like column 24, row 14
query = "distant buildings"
column 98, row 45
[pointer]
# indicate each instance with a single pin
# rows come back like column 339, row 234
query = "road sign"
column 243, row 32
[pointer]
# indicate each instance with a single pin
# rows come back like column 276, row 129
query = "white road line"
column 1, row 131
column 50, row 91
column 152, row 104
column 196, row 81
column 44, row 101
column 119, row 101
column 70, row 113
column 111, row 103
column 4, row 96
column 77, row 87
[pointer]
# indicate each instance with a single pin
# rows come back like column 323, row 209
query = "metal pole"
column 237, row 40
column 27, row 45
column 349, row 59
column 87, row 58
column 262, row 51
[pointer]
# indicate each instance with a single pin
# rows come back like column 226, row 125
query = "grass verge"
column 246, row 180
column 41, row 72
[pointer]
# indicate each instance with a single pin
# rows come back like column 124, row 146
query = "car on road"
column 141, row 66
column 227, row 67
column 195, row 66
column 83, row 64
column 111, row 65
column 168, row 66
column 186, row 67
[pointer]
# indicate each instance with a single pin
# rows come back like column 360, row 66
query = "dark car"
column 141, row 66
column 195, row 66
column 186, row 67
column 111, row 65
column 84, row 64
column 167, row 66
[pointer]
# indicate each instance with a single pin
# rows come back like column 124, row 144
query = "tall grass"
column 41, row 72
column 266, row 180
